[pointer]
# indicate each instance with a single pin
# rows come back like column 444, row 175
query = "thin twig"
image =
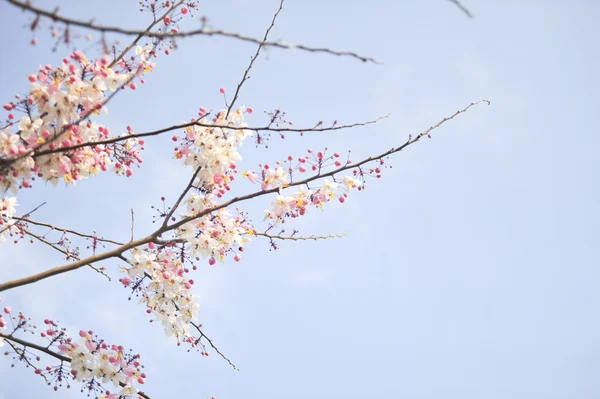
column 462, row 8
column 64, row 230
column 252, row 59
column 67, row 253
column 299, row 238
column 213, row 346
column 183, row 193
column 132, row 223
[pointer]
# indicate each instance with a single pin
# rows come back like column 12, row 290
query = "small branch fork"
column 25, row 5
column 155, row 236
column 26, row 344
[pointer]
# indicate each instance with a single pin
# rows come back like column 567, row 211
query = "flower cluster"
column 94, row 359
column 55, row 137
column 7, row 210
column 213, row 150
column 296, row 204
column 215, row 234
column 168, row 294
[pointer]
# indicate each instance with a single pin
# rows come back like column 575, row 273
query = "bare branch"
column 183, row 193
column 462, row 8
column 64, row 230
column 162, row 35
column 213, row 346
column 299, row 238
column 252, row 59
column 66, row 252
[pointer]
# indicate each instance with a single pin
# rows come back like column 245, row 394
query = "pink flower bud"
column 222, row 90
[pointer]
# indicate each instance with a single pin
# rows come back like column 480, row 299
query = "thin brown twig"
column 22, row 355
column 63, row 251
column 253, row 58
column 214, row 346
column 65, row 230
column 196, row 32
column 462, row 8
column 183, row 193
column 152, row 237
column 299, row 238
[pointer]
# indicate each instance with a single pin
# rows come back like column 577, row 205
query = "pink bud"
column 167, row 20
column 212, row 261
column 184, row 10
column 237, row 257
column 222, row 90
column 249, row 110
column 342, row 199
column 132, row 86
column 302, row 169
column 7, row 309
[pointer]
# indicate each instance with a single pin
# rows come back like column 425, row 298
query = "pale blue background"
column 470, row 270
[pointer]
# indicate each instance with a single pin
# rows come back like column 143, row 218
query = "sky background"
column 470, row 269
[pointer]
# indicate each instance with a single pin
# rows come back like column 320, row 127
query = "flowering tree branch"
column 154, row 236
column 267, row 128
column 164, row 35
column 12, row 340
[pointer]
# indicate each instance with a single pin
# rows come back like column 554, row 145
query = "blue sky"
column 470, row 269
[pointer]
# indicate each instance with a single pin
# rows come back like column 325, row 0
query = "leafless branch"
column 212, row 345
column 70, row 231
column 65, row 252
column 299, row 238
column 462, row 8
column 181, row 196
column 252, row 59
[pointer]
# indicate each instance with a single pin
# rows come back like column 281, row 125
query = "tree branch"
column 252, row 59
column 462, row 8
column 206, row 32
column 153, row 237
column 49, row 353
column 157, row 132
